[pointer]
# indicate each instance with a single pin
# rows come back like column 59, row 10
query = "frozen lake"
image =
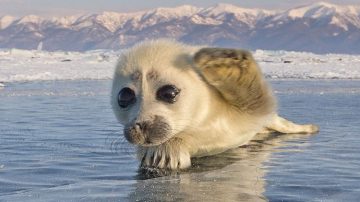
column 59, row 141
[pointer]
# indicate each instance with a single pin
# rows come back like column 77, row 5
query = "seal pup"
column 177, row 101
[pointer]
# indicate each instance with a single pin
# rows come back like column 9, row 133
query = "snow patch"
column 204, row 20
column 336, row 21
column 303, row 65
column 23, row 65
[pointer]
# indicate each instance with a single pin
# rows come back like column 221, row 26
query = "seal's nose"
column 147, row 132
column 138, row 126
column 134, row 133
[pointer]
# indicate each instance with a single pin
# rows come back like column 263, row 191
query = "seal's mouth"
column 151, row 144
column 148, row 133
column 139, row 139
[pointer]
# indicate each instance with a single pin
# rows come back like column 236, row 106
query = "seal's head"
column 156, row 92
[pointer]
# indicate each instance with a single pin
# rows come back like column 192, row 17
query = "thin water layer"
column 59, row 141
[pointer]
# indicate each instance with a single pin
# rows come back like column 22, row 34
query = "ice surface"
column 59, row 141
column 302, row 65
column 23, row 65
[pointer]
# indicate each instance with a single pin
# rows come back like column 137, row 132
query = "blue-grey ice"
column 59, row 141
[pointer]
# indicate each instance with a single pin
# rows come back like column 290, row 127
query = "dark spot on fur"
column 152, row 75
column 136, row 76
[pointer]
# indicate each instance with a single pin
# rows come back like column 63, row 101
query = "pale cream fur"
column 202, row 122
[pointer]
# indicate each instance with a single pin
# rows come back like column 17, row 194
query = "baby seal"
column 177, row 101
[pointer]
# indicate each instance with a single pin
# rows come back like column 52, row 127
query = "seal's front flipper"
column 235, row 74
column 172, row 155
column 281, row 125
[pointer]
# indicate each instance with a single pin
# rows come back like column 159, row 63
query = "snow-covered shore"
column 22, row 65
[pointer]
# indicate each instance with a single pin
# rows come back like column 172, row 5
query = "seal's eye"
column 167, row 93
column 126, row 97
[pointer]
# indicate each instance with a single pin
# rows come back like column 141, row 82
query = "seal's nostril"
column 138, row 126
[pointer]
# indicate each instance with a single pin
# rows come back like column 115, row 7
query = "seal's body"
column 177, row 101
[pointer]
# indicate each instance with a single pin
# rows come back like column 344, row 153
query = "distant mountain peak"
column 180, row 11
column 30, row 19
column 324, row 4
column 318, row 10
column 221, row 8
column 5, row 21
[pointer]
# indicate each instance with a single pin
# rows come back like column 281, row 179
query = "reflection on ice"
column 236, row 175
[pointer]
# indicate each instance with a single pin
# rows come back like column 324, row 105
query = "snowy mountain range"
column 320, row 28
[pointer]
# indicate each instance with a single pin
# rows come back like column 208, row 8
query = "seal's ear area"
column 235, row 74
column 221, row 56
column 217, row 64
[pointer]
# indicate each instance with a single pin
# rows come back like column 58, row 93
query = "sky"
column 48, row 8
